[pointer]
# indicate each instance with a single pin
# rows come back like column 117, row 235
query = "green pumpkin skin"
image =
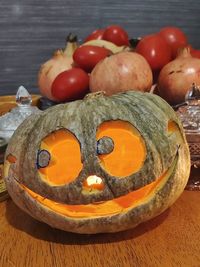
column 148, row 113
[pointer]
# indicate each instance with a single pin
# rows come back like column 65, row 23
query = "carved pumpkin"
column 102, row 164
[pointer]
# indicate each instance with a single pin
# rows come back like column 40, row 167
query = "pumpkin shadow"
column 19, row 220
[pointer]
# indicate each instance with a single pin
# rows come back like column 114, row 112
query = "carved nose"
column 93, row 182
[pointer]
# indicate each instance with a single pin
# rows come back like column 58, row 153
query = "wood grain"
column 30, row 30
column 170, row 240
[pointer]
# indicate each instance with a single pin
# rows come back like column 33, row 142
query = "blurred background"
column 31, row 30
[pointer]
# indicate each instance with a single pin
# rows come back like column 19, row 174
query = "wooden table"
column 171, row 239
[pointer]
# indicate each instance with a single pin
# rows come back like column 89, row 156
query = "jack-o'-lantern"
column 101, row 164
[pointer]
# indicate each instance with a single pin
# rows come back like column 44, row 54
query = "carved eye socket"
column 59, row 157
column 174, row 131
column 172, row 127
column 124, row 152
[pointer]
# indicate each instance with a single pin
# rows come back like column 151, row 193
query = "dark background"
column 30, row 30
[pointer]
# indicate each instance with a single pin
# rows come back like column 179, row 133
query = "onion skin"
column 121, row 72
column 177, row 77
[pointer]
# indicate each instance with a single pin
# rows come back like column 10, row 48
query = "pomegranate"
column 121, row 72
column 177, row 77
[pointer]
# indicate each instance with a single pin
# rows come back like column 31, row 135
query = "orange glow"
column 129, row 149
column 110, row 207
column 173, row 129
column 93, row 182
column 103, row 208
column 65, row 163
column 172, row 126
column 11, row 159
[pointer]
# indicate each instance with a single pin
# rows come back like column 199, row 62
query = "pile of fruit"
column 106, row 61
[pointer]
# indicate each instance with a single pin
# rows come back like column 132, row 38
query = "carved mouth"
column 109, row 207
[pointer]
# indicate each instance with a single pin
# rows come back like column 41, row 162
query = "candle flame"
column 93, row 179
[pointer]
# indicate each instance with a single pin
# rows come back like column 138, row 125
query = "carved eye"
column 174, row 133
column 59, row 157
column 172, row 127
column 120, row 148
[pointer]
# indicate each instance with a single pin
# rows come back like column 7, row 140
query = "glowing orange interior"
column 174, row 131
column 129, row 149
column 10, row 158
column 105, row 208
column 173, row 127
column 65, row 163
column 93, row 182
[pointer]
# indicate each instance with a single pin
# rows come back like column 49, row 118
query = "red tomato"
column 156, row 51
column 175, row 37
column 70, row 85
column 87, row 56
column 116, row 35
column 95, row 35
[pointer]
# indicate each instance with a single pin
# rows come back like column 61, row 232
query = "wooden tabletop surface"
column 171, row 239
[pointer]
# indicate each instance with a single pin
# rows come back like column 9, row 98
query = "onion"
column 62, row 60
column 121, row 72
column 177, row 77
